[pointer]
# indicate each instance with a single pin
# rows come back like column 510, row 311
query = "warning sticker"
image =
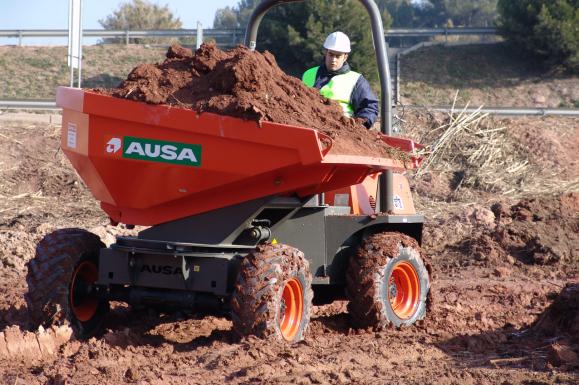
column 398, row 203
column 71, row 135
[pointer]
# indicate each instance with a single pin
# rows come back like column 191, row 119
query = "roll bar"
column 383, row 71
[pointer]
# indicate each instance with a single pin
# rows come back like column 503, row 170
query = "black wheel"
column 59, row 277
column 387, row 282
column 273, row 294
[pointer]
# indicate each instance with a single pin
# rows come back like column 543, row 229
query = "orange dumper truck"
column 253, row 221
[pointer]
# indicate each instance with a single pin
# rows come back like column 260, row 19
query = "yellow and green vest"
column 339, row 88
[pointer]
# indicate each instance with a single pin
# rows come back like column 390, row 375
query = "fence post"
column 127, row 37
column 397, row 96
column 19, row 38
column 199, row 39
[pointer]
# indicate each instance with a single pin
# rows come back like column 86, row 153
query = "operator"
column 338, row 82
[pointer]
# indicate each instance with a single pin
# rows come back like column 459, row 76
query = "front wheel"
column 273, row 295
column 387, row 282
column 59, row 282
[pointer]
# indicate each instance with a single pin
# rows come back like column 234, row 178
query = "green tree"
column 140, row 14
column 225, row 18
column 463, row 13
column 403, row 12
column 235, row 17
column 295, row 32
column 246, row 7
column 548, row 29
column 440, row 13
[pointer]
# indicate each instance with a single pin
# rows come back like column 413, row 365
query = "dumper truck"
column 256, row 221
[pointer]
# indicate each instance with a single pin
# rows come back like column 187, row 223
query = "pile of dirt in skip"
column 249, row 85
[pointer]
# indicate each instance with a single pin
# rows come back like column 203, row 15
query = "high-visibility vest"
column 339, row 88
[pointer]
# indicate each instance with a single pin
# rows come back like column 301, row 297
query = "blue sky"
column 53, row 14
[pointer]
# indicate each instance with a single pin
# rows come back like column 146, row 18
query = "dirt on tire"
column 256, row 302
column 365, row 276
column 49, row 279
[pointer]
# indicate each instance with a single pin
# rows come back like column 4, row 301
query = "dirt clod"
column 562, row 317
column 562, row 355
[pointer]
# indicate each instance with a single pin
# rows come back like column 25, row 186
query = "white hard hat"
column 337, row 41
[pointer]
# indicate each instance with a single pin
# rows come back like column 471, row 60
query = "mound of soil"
column 541, row 231
column 245, row 84
column 560, row 323
column 562, row 317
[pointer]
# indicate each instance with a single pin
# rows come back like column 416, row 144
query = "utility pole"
column 75, row 39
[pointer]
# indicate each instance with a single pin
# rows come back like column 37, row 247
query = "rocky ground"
column 505, row 289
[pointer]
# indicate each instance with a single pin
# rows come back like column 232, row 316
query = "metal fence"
column 500, row 111
column 226, row 36
column 232, row 36
column 429, row 32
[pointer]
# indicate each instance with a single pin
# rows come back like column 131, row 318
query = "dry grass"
column 35, row 72
column 489, row 75
column 482, row 156
column 493, row 75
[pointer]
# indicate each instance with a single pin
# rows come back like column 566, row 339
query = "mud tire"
column 257, row 305
column 369, row 278
column 49, row 279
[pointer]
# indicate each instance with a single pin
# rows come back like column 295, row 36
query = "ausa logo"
column 114, row 145
column 160, row 269
column 155, row 150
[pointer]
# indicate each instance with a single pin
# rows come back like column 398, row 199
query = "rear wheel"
column 273, row 295
column 59, row 282
column 387, row 282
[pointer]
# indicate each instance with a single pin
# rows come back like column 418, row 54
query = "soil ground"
column 506, row 270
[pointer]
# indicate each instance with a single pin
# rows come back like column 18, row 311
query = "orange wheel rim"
column 404, row 290
column 83, row 306
column 292, row 309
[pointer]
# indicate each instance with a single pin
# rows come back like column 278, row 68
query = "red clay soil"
column 505, row 315
column 245, row 84
column 541, row 231
column 562, row 317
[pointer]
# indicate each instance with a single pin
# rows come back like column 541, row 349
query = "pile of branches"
column 477, row 153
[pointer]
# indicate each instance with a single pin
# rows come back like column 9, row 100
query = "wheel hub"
column 404, row 290
column 393, row 289
column 291, row 309
column 84, row 305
